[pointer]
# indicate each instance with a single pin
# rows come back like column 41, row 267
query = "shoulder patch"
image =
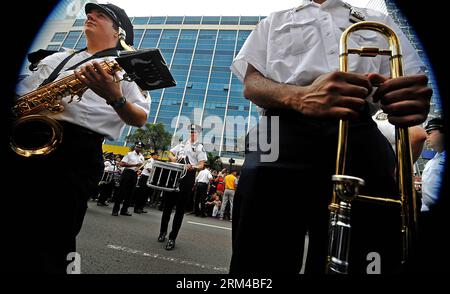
column 381, row 116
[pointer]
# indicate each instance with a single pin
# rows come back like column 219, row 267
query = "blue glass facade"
column 199, row 58
column 199, row 51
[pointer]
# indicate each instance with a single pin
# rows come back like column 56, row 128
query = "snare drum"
column 107, row 177
column 165, row 176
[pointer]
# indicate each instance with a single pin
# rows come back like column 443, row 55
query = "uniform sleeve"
column 133, row 93
column 201, row 154
column 43, row 71
column 125, row 158
column 107, row 165
column 412, row 63
column 254, row 51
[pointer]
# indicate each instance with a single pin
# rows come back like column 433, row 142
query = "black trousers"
column 200, row 199
column 179, row 200
column 142, row 193
column 52, row 202
column 300, row 182
column 105, row 192
column 128, row 181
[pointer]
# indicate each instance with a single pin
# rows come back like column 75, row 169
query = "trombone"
column 346, row 188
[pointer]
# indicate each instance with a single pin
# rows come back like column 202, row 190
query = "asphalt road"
column 127, row 244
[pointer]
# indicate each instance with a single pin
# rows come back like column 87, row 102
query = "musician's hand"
column 406, row 100
column 334, row 95
column 99, row 81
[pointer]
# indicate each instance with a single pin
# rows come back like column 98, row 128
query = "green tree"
column 214, row 161
column 153, row 136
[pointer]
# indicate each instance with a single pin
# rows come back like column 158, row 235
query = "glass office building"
column 199, row 51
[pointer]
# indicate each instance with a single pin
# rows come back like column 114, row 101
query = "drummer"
column 106, row 185
column 142, row 192
column 193, row 155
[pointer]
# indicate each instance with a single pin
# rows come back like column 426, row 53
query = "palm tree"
column 214, row 161
column 153, row 136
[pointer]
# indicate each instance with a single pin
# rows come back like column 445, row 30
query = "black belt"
column 365, row 116
column 73, row 128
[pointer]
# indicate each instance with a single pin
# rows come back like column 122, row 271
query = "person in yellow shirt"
column 228, row 195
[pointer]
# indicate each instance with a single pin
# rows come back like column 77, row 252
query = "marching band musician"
column 433, row 172
column 142, row 192
column 103, row 110
column 131, row 164
column 417, row 134
column 290, row 69
column 194, row 156
column 106, row 185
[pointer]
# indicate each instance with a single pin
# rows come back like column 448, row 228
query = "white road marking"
column 167, row 258
column 212, row 226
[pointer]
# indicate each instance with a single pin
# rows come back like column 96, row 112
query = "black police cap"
column 435, row 124
column 195, row 128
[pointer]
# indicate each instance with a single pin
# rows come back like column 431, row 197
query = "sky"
column 209, row 7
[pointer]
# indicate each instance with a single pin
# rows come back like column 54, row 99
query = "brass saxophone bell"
column 35, row 135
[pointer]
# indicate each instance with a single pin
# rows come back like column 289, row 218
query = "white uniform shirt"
column 91, row 111
column 193, row 151
column 148, row 167
column 109, row 167
column 133, row 158
column 204, row 176
column 295, row 47
column 432, row 177
column 385, row 127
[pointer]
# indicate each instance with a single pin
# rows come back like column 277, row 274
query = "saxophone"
column 34, row 133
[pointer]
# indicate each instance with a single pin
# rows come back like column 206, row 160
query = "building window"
column 249, row 20
column 211, row 20
column 229, row 20
column 53, row 47
column 79, row 22
column 157, row 20
column 140, row 20
column 192, row 20
column 58, row 37
column 71, row 39
column 174, row 20
column 81, row 43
